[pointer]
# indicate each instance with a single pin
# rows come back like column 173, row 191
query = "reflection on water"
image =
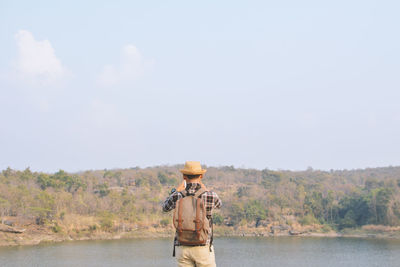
column 282, row 251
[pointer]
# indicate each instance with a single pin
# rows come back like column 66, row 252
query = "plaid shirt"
column 210, row 199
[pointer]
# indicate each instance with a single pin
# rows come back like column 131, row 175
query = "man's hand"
column 181, row 187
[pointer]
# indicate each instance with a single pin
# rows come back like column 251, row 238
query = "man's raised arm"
column 170, row 203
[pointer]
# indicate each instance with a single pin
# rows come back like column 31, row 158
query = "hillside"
column 127, row 202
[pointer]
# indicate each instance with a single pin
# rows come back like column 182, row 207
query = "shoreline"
column 31, row 239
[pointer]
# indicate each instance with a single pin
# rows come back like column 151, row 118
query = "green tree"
column 237, row 212
column 353, row 211
column 314, row 204
column 44, row 181
column 26, row 174
column 45, row 208
column 379, row 199
column 217, row 219
column 162, row 178
column 102, row 189
column 255, row 211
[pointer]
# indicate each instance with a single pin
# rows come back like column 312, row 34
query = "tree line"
column 337, row 198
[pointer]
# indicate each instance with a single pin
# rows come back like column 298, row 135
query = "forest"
column 111, row 200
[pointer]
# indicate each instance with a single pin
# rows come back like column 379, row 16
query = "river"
column 277, row 252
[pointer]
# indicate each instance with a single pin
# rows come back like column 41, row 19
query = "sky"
column 253, row 84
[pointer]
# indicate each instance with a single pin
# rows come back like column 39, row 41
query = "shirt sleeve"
column 217, row 201
column 212, row 201
column 170, row 203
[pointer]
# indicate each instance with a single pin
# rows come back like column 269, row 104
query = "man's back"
column 210, row 200
column 198, row 253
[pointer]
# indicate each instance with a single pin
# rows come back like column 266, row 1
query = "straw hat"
column 192, row 168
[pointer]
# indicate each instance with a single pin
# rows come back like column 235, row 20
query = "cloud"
column 130, row 68
column 37, row 63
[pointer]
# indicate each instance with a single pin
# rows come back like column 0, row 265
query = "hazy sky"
column 262, row 84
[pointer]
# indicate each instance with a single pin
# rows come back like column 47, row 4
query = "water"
column 282, row 251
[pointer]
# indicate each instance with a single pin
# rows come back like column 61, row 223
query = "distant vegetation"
column 116, row 198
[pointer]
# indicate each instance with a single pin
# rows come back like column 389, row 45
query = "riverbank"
column 36, row 235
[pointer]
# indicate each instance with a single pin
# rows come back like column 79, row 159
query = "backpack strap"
column 184, row 193
column 180, row 220
column 212, row 233
column 199, row 195
column 198, row 224
column 173, row 252
column 197, row 221
column 199, row 192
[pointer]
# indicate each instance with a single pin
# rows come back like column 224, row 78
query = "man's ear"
column 201, row 176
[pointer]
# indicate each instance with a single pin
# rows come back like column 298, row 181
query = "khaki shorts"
column 197, row 256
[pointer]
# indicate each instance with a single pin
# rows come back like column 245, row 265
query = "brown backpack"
column 192, row 225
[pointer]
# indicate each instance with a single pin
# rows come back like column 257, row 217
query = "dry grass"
column 78, row 222
column 380, row 228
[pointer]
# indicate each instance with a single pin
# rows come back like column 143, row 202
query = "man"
column 193, row 255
